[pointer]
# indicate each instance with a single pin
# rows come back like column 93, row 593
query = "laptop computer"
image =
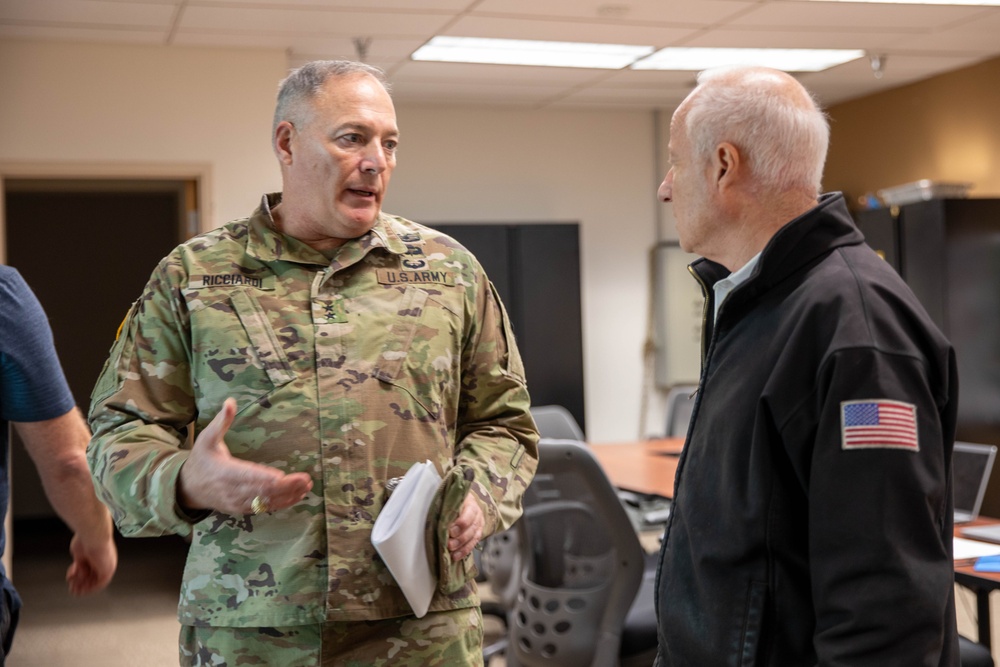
column 971, row 465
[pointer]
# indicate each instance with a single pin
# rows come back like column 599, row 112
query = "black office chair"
column 973, row 654
column 584, row 597
column 500, row 565
column 555, row 421
column 499, row 562
column 680, row 404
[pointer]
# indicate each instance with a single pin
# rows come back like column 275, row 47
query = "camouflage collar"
column 387, row 234
column 269, row 245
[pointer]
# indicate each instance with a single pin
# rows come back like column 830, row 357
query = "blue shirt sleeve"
column 32, row 384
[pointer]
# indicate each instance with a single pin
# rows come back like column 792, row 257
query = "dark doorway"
column 86, row 248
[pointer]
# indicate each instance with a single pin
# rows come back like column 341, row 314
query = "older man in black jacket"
column 812, row 521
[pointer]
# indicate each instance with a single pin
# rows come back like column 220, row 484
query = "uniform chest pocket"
column 423, row 349
column 239, row 354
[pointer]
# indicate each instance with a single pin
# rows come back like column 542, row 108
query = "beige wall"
column 946, row 128
column 127, row 106
column 488, row 165
column 133, row 107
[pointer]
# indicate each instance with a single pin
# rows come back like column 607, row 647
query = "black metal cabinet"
column 948, row 252
column 536, row 270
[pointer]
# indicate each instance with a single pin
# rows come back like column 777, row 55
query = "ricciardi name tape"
column 393, row 277
column 235, row 279
column 878, row 423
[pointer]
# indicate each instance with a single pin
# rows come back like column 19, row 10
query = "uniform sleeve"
column 496, row 434
column 140, row 411
column 32, row 385
column 879, row 516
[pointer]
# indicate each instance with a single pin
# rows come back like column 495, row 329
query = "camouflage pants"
column 448, row 638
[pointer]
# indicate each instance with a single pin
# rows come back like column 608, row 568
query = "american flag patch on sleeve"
column 878, row 423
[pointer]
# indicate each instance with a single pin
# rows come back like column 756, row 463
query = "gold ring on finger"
column 259, row 505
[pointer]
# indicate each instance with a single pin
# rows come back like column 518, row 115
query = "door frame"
column 199, row 173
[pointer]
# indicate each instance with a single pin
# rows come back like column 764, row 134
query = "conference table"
column 980, row 583
column 643, row 466
column 649, row 467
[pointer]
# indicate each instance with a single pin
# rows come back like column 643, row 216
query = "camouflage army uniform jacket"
column 395, row 351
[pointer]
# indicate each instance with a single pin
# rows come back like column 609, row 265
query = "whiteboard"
column 678, row 308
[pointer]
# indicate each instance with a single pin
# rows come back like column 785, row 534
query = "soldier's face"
column 342, row 159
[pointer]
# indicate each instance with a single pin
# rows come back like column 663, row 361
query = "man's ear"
column 726, row 164
column 283, row 135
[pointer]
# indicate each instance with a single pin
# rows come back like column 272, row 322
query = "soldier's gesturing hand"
column 212, row 478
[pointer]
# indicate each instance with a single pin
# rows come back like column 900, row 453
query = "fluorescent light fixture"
column 992, row 3
column 528, row 52
column 789, row 60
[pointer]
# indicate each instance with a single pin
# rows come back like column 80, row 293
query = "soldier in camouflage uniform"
column 317, row 349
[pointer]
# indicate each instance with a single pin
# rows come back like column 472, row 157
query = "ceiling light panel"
column 528, row 52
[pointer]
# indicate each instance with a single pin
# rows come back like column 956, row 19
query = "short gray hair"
column 300, row 87
column 783, row 140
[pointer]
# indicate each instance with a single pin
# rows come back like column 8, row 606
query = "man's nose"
column 374, row 160
column 665, row 191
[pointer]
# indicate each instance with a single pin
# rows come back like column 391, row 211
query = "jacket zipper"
column 704, row 319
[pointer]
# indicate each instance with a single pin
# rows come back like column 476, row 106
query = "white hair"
column 783, row 137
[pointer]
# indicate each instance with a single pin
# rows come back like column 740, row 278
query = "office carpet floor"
column 133, row 622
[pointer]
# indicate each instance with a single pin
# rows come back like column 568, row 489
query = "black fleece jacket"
column 789, row 543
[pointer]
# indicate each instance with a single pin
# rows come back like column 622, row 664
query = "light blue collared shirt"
column 731, row 282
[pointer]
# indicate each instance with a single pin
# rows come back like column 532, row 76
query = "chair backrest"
column 555, row 421
column 582, row 564
column 680, row 404
column 501, row 565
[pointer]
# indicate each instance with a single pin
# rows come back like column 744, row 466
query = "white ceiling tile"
column 100, row 35
column 463, row 72
column 475, row 90
column 416, row 6
column 566, row 31
column 651, row 95
column 469, row 92
column 795, row 39
column 645, row 11
column 620, row 101
column 857, row 78
column 91, row 12
column 311, row 21
column 979, row 35
column 650, row 78
column 858, row 16
column 897, row 68
column 319, row 46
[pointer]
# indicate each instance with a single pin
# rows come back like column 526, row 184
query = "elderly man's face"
column 344, row 157
column 686, row 187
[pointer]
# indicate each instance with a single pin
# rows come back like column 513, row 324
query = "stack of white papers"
column 966, row 549
column 399, row 538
